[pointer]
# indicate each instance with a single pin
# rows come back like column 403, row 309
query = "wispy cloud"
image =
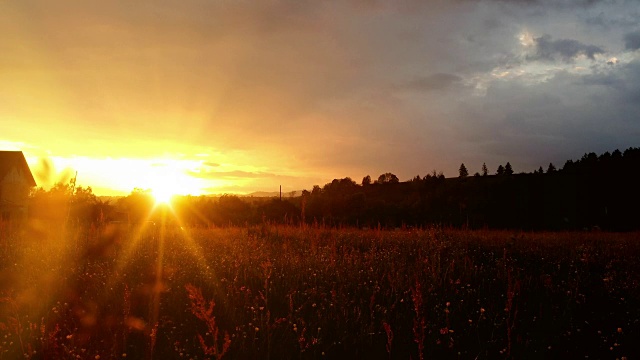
column 566, row 50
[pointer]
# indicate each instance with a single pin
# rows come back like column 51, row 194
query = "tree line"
column 591, row 192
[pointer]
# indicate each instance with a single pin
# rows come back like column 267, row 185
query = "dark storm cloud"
column 622, row 88
column 613, row 82
column 556, row 120
column 632, row 40
column 605, row 21
column 328, row 88
column 564, row 49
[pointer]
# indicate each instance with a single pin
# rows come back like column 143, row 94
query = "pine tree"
column 485, row 171
column 551, row 168
column 463, row 171
column 500, row 170
column 508, row 170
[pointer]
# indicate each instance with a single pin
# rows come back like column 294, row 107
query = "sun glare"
column 163, row 195
column 165, row 185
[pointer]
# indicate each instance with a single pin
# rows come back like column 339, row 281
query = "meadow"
column 288, row 292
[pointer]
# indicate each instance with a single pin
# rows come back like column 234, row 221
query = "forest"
column 593, row 192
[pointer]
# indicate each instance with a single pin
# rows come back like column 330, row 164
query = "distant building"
column 16, row 181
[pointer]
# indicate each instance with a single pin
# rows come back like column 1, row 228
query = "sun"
column 164, row 189
column 162, row 195
column 167, row 179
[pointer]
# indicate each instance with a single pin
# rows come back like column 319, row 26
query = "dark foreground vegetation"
column 598, row 192
column 283, row 292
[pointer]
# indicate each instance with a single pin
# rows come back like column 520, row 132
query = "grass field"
column 275, row 292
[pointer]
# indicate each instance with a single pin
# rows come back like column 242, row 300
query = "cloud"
column 319, row 89
column 632, row 40
column 609, row 20
column 552, row 121
column 566, row 50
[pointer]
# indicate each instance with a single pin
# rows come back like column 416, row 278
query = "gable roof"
column 11, row 159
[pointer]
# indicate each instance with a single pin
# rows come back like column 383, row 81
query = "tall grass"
column 300, row 293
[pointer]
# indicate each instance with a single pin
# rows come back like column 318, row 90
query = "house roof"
column 15, row 159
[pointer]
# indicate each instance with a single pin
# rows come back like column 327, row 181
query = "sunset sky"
column 240, row 96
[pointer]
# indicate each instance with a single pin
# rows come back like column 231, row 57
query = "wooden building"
column 16, row 181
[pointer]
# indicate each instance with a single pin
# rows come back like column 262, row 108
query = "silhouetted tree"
column 366, row 180
column 568, row 165
column 540, row 171
column 431, row 175
column 616, row 154
column 550, row 169
column 485, row 171
column 463, row 171
column 500, row 170
column 340, row 186
column 388, row 178
column 508, row 170
column 477, row 174
column 316, row 190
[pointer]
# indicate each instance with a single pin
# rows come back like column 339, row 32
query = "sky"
column 241, row 96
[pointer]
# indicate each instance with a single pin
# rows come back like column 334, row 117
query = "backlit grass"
column 290, row 293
